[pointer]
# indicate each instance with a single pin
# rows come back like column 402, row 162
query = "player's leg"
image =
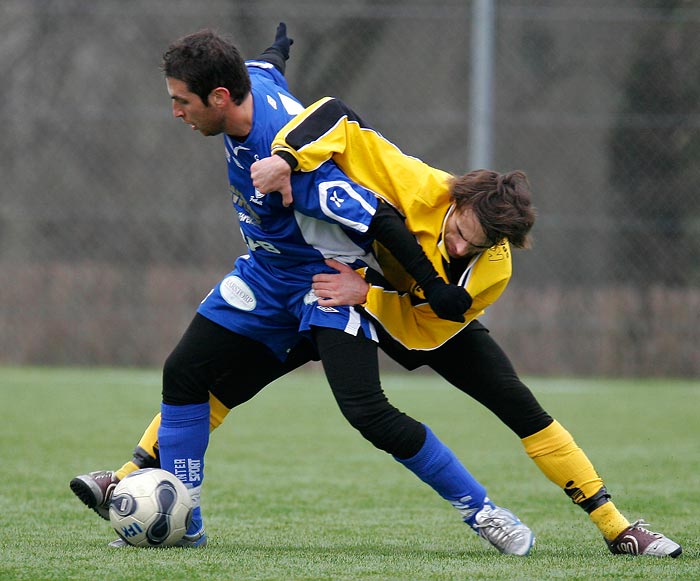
column 95, row 488
column 351, row 366
column 492, row 381
column 208, row 355
column 146, row 453
column 223, row 397
column 229, row 390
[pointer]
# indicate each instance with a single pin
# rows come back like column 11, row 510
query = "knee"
column 181, row 385
column 387, row 429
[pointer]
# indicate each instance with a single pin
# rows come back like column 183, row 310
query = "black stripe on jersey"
column 320, row 122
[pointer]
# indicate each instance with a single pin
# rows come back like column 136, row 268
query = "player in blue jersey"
column 262, row 313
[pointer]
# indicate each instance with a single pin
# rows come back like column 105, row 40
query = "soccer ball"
column 150, row 508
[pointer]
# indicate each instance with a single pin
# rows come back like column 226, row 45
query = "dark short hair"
column 502, row 203
column 204, row 61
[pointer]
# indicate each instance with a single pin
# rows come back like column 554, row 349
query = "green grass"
column 293, row 493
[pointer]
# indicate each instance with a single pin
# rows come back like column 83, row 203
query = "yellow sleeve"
column 329, row 128
column 313, row 136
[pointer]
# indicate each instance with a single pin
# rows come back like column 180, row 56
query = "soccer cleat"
column 503, row 530
column 118, row 543
column 637, row 540
column 197, row 540
column 95, row 490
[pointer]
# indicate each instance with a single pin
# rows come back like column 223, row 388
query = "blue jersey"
column 289, row 236
column 268, row 295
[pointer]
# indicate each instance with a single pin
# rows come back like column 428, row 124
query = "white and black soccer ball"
column 150, row 508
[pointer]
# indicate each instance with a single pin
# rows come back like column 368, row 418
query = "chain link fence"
column 115, row 220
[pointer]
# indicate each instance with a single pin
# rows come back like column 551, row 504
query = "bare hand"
column 272, row 174
column 345, row 288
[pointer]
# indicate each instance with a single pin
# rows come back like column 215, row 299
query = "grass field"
column 293, row 493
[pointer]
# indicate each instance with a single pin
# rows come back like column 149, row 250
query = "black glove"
column 282, row 42
column 449, row 301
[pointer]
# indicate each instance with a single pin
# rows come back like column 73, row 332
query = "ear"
column 219, row 97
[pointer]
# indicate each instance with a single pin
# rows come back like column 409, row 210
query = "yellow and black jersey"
column 328, row 128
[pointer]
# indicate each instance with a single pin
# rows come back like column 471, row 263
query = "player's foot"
column 637, row 540
column 503, row 530
column 197, row 540
column 95, row 490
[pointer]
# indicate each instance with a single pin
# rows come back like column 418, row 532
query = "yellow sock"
column 560, row 459
column 217, row 412
column 609, row 520
column 148, row 442
column 125, row 470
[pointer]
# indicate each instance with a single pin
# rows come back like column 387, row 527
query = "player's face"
column 190, row 108
column 464, row 234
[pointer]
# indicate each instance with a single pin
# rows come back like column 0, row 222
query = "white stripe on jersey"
column 354, row 324
column 354, row 321
column 332, row 242
column 324, row 200
column 467, row 274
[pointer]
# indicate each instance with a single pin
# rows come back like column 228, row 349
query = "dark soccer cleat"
column 637, row 540
column 95, row 490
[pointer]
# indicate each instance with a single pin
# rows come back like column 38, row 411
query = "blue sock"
column 183, row 437
column 436, row 465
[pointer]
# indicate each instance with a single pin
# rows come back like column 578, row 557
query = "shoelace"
column 642, row 525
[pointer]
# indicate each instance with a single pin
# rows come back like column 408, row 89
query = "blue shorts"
column 276, row 306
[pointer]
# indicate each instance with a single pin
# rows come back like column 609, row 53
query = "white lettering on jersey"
column 272, row 102
column 237, row 293
column 257, row 197
column 243, row 217
column 255, row 244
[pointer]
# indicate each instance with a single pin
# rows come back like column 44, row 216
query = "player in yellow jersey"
column 455, row 225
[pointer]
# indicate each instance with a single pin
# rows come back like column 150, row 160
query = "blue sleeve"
column 267, row 71
column 328, row 194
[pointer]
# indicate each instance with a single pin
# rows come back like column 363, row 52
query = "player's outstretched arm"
column 278, row 53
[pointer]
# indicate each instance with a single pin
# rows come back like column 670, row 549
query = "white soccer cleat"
column 503, row 530
column 197, row 540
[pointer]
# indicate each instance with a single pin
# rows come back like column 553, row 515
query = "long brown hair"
column 502, row 203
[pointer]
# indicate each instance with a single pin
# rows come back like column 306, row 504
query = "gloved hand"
column 449, row 301
column 282, row 42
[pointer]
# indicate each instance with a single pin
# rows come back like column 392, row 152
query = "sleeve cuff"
column 288, row 157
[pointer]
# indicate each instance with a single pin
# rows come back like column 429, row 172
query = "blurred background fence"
column 115, row 220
